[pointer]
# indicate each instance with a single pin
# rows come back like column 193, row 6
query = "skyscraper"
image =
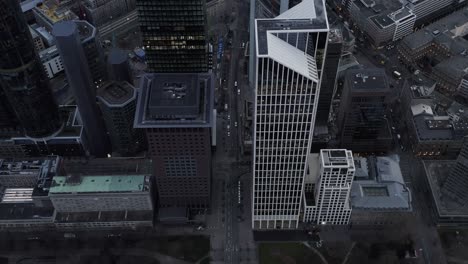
column 174, row 35
column 361, row 117
column 290, row 53
column 455, row 185
column 175, row 110
column 332, row 59
column 21, row 76
column 327, row 196
column 74, row 60
column 117, row 101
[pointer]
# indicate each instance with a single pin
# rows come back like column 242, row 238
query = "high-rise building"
column 21, row 76
column 176, row 112
column 328, row 187
column 174, row 35
column 361, row 117
column 79, row 77
column 118, row 66
column 456, row 184
column 290, row 52
column 332, row 59
column 117, row 101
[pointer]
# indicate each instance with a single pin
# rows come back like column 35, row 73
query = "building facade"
column 327, row 197
column 21, row 77
column 363, row 127
column 290, row 52
column 175, row 111
column 79, row 77
column 174, row 35
column 117, row 101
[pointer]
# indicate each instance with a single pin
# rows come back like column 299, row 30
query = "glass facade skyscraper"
column 174, row 35
column 21, row 75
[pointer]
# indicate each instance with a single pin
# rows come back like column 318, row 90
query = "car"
column 235, row 124
column 235, row 83
column 238, row 91
column 228, row 127
column 398, row 136
column 229, row 134
column 229, row 117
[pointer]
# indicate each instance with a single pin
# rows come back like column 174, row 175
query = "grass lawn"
column 189, row 248
column 287, row 253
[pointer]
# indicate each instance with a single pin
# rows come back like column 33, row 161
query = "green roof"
column 93, row 184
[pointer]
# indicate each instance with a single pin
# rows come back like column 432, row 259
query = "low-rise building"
column 24, row 183
column 443, row 44
column 436, row 126
column 102, row 201
column 379, row 195
column 382, row 21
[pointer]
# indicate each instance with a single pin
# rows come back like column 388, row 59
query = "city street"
column 229, row 223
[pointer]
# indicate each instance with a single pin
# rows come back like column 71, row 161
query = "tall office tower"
column 329, row 191
column 117, row 101
column 118, row 66
column 361, row 117
column 68, row 41
column 455, row 185
column 290, row 53
column 264, row 9
column 7, row 118
column 21, row 76
column 175, row 110
column 332, row 59
column 174, row 35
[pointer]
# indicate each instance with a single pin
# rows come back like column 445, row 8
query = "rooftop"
column 116, row 94
column 436, row 172
column 309, row 15
column 335, row 158
column 367, row 80
column 383, row 189
column 85, row 30
column 447, row 31
column 430, row 128
column 54, row 11
column 98, row 184
column 175, row 100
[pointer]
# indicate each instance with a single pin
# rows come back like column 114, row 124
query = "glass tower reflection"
column 21, row 75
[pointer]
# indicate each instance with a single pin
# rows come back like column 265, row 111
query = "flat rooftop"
column 86, row 31
column 367, row 80
column 97, row 184
column 337, row 158
column 175, row 100
column 116, row 94
column 384, row 189
column 428, row 128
